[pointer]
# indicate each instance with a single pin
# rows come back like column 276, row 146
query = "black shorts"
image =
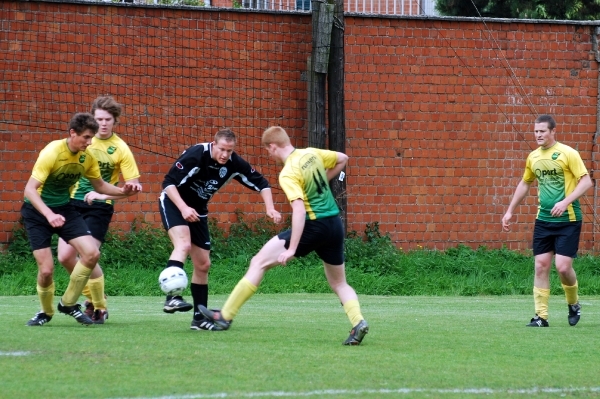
column 40, row 231
column 324, row 236
column 171, row 217
column 562, row 238
column 97, row 216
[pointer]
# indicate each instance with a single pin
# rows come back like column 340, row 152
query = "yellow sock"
column 78, row 280
column 96, row 286
column 46, row 295
column 240, row 294
column 571, row 293
column 352, row 309
column 541, row 297
column 86, row 292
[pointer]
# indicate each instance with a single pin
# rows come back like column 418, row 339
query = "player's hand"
column 506, row 221
column 273, row 214
column 558, row 209
column 285, row 256
column 92, row 195
column 131, row 188
column 190, row 214
column 56, row 220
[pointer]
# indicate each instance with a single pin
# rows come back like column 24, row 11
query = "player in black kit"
column 187, row 188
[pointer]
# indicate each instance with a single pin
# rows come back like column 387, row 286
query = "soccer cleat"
column 39, row 319
column 75, row 312
column 357, row 333
column 176, row 304
column 89, row 309
column 215, row 317
column 100, row 316
column 574, row 314
column 202, row 324
column 537, row 321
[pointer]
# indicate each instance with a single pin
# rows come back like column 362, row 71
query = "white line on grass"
column 326, row 392
column 15, row 353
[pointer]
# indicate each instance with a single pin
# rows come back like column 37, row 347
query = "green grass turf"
column 289, row 345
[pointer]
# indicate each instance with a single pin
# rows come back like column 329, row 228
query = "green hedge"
column 133, row 260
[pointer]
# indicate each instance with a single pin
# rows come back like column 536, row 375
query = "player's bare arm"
column 520, row 193
column 584, row 184
column 298, row 220
column 93, row 195
column 342, row 160
column 103, row 187
column 267, row 197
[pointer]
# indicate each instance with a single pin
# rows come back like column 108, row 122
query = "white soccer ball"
column 173, row 280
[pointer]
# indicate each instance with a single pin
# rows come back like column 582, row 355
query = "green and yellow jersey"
column 114, row 157
column 304, row 177
column 58, row 169
column 558, row 170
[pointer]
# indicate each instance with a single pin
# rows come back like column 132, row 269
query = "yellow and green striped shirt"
column 114, row 157
column 58, row 169
column 558, row 170
column 304, row 177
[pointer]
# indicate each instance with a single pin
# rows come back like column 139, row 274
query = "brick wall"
column 439, row 112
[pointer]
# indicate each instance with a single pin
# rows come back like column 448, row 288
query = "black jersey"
column 198, row 176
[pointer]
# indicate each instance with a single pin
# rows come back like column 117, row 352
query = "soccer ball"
column 173, row 280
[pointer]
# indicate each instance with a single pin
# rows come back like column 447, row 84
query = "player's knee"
column 182, row 247
column 66, row 259
column 564, row 269
column 542, row 267
column 259, row 263
column 202, row 267
column 45, row 272
column 90, row 258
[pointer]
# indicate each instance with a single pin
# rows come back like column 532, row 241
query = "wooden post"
column 337, row 128
column 322, row 19
column 313, row 137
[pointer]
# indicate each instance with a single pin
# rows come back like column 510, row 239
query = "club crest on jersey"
column 555, row 156
column 82, row 159
column 178, row 165
column 111, row 150
column 222, row 172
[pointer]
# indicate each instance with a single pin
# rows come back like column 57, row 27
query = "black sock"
column 199, row 296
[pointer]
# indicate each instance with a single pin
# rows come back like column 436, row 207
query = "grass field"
column 289, row 345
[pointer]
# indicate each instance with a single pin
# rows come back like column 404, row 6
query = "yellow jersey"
column 114, row 157
column 304, row 177
column 557, row 170
column 58, row 169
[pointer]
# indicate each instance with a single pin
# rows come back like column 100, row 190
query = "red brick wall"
column 438, row 118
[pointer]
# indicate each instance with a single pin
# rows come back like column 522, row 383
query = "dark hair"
column 225, row 134
column 83, row 121
column 108, row 104
column 547, row 119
